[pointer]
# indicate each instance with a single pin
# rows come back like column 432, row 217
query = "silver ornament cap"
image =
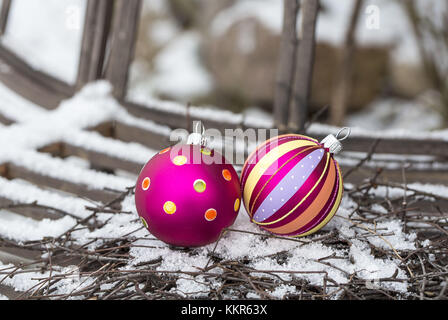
column 333, row 143
column 197, row 136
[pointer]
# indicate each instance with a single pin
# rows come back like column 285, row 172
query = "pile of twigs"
column 103, row 266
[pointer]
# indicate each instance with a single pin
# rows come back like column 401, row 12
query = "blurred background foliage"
column 224, row 53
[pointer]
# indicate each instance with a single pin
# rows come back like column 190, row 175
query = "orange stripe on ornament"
column 316, row 206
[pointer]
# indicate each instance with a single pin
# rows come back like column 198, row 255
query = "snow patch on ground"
column 19, row 228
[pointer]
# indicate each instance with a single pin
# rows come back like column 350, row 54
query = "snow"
column 303, row 256
column 13, row 226
column 36, row 127
column 162, row 31
column 178, row 72
column 310, row 258
column 55, row 38
column 97, row 105
column 269, row 12
column 91, row 106
column 417, row 115
column 21, row 192
column 130, row 151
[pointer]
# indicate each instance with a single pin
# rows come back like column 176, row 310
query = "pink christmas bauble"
column 187, row 194
column 292, row 185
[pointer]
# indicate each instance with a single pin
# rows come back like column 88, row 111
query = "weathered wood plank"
column 4, row 14
column 304, row 66
column 124, row 34
column 354, row 143
column 31, row 211
column 5, row 120
column 34, row 85
column 431, row 176
column 93, row 48
column 10, row 292
column 178, row 120
column 96, row 159
column 286, row 64
column 430, row 147
column 17, row 172
column 423, row 206
column 344, row 78
column 147, row 138
column 99, row 159
column 128, row 133
column 45, row 80
column 18, row 256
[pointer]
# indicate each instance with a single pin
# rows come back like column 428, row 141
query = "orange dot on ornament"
column 145, row 183
column 169, row 207
column 165, row 150
column 226, row 174
column 210, row 214
column 180, row 160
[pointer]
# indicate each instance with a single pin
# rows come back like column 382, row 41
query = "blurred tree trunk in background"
column 122, row 45
column 4, row 12
column 344, row 76
column 304, row 67
column 286, row 64
column 426, row 28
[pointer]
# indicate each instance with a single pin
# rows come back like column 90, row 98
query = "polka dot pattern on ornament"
column 199, row 185
column 210, row 214
column 286, row 188
column 144, row 222
column 165, row 150
column 146, row 183
column 188, row 202
column 206, row 151
column 226, row 174
column 169, row 207
column 236, row 206
column 180, row 160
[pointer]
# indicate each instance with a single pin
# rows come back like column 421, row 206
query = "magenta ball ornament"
column 292, row 185
column 187, row 194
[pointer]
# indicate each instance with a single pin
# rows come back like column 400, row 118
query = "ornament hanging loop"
column 347, row 129
column 197, row 137
column 333, row 143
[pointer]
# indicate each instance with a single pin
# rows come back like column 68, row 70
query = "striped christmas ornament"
column 292, row 185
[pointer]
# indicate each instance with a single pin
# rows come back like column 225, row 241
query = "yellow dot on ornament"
column 205, row 151
column 199, row 185
column 210, row 214
column 180, row 160
column 226, row 174
column 144, row 222
column 145, row 183
column 169, row 207
column 236, row 206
